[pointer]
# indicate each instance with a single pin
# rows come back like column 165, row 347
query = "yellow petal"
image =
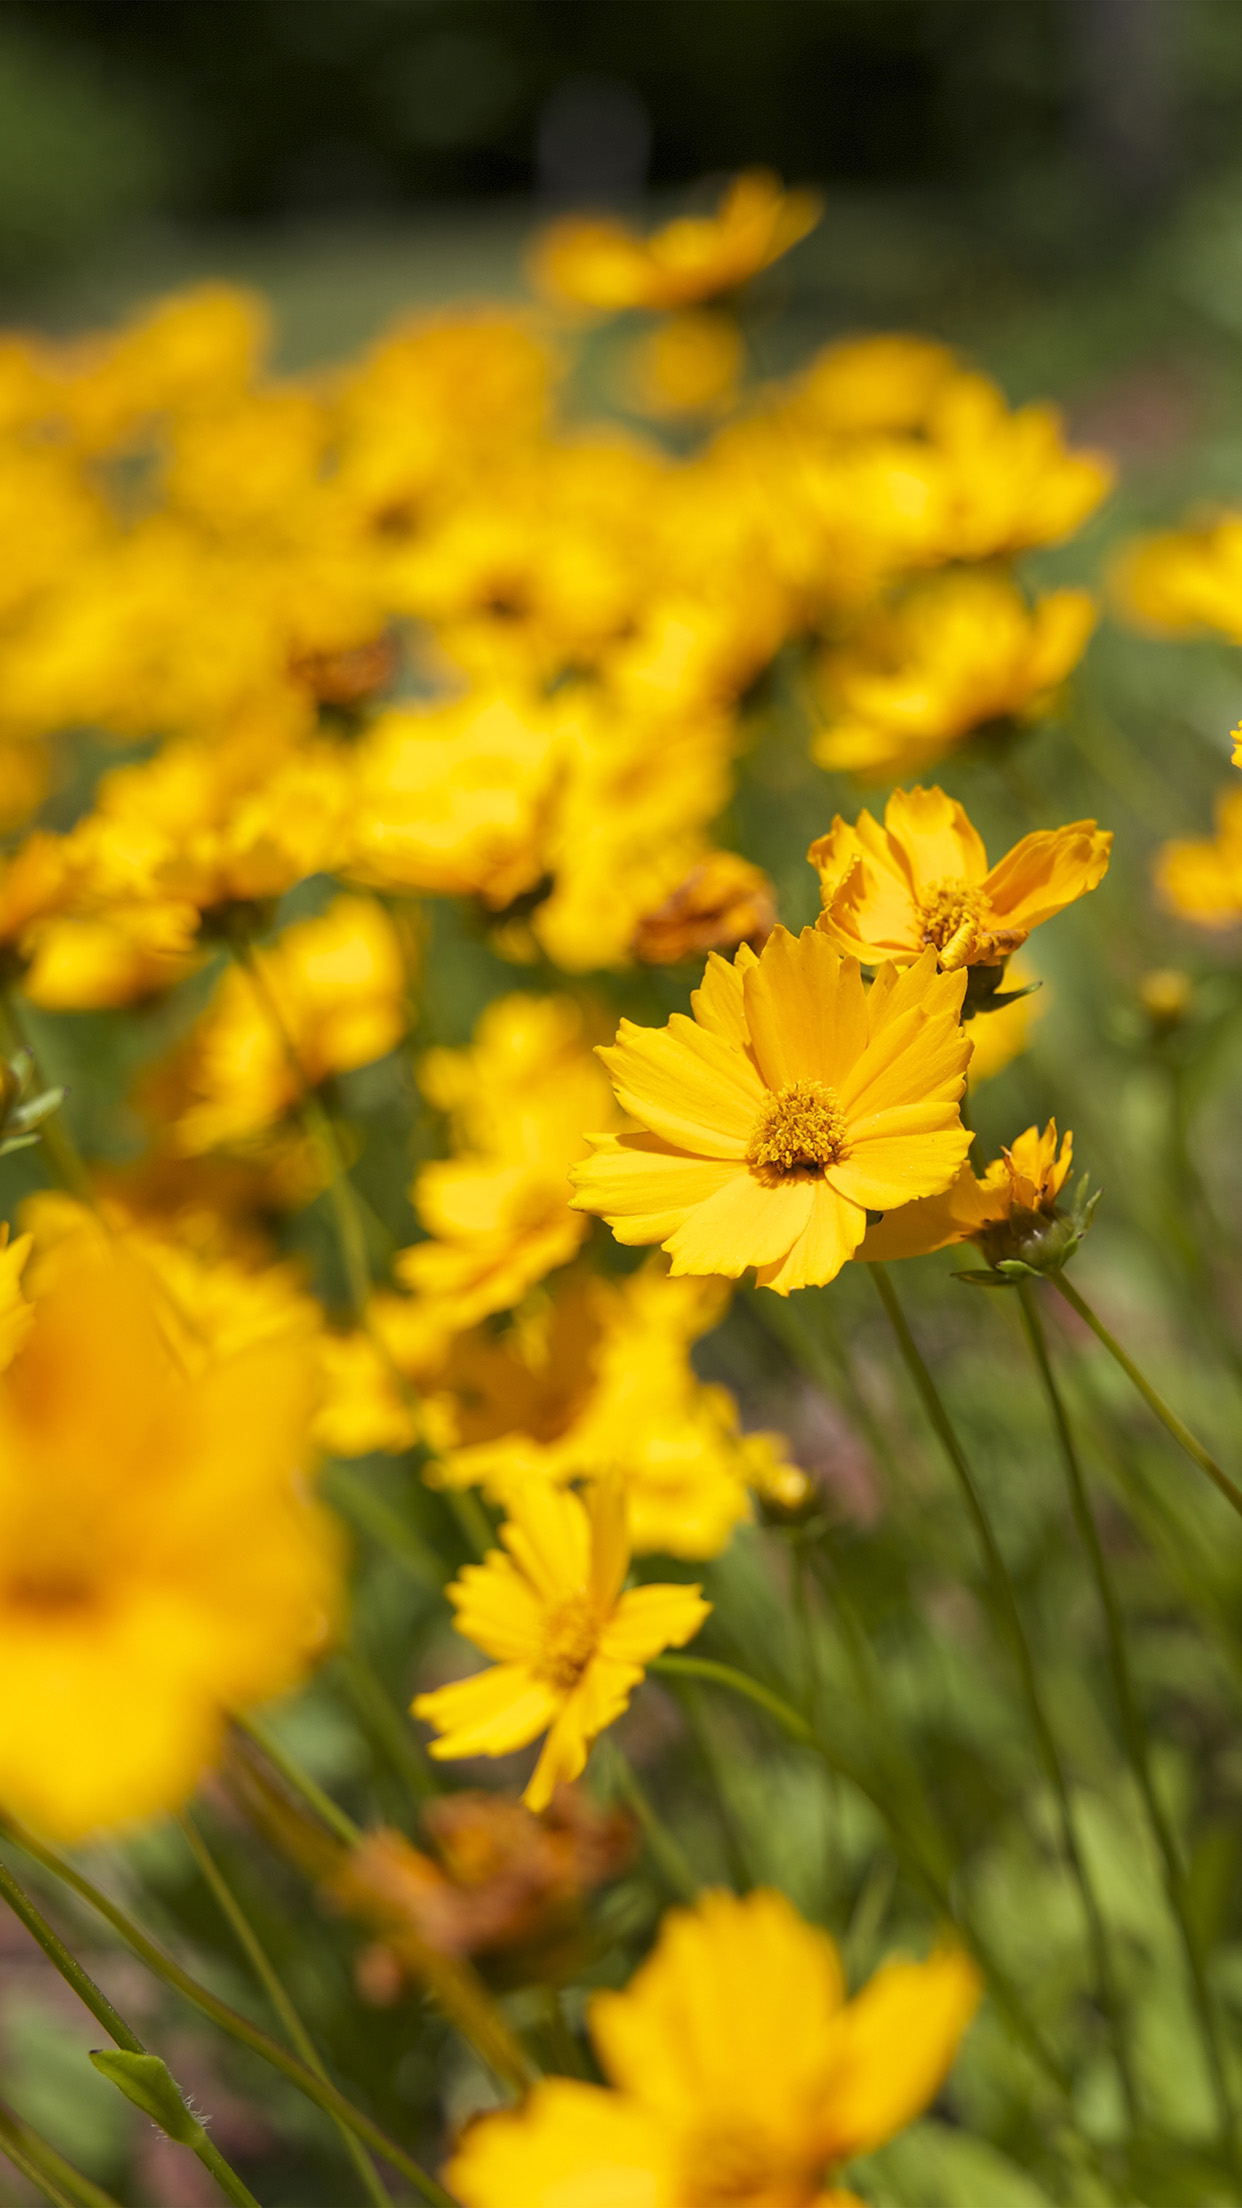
column 829, row 1239
column 687, row 1085
column 497, row 1609
column 744, row 1223
column 648, row 1619
column 934, row 838
column 489, row 1714
column 548, row 1535
column 1046, row 872
column 805, row 1008
column 643, row 1188
column 898, row 2040
column 569, row 2146
column 915, row 1151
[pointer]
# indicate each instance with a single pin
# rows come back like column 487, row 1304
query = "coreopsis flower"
column 1200, row 878
column 162, row 1562
column 601, row 1382
column 959, row 653
column 1183, row 580
column 331, row 997
column 601, row 265
column 738, row 2071
column 1009, row 481
column 864, row 385
column 498, row 1211
column 1010, row 1212
column 723, row 901
column 571, row 1642
column 793, row 1103
column 923, row 881
column 690, row 364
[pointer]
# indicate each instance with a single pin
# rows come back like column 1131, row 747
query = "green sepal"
column 147, row 2081
column 980, row 1276
column 10, row 1143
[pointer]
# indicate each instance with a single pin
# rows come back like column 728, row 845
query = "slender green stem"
column 1168, row 1418
column 113, row 2023
column 329, row 1812
column 1134, row 1730
column 356, row 1499
column 295, row 2031
column 163, row 1966
column 1006, row 1601
column 386, row 1725
column 40, row 2164
column 930, row 1870
column 667, row 1851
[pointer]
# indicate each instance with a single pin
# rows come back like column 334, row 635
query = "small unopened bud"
column 1165, row 995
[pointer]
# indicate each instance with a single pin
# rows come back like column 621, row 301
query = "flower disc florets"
column 800, row 1129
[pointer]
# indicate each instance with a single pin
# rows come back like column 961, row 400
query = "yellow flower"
column 571, row 1645
column 689, row 365
column 791, row 1104
column 959, row 652
column 162, row 1564
column 923, row 879
column 601, row 265
column 498, row 1211
column 739, row 2073
column 723, row 901
column 1025, row 1180
column 332, row 997
column 1010, row 482
column 1185, row 579
column 1200, row 878
column 869, row 384
column 601, row 1382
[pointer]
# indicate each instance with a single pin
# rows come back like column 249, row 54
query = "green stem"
column 295, row 2031
column 113, row 2023
column 163, row 1966
column 329, row 1812
column 355, row 1498
column 1168, row 1418
column 666, row 1849
column 386, row 1725
column 1006, row 1601
column 59, row 1147
column 40, row 2164
column 932, row 1874
column 1135, row 1732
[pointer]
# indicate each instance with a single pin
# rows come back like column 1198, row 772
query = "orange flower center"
column 570, row 1639
column 950, row 912
column 800, row 1130
column 736, row 2168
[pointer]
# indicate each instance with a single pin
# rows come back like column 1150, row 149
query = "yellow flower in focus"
column 689, row 365
column 1023, row 1183
column 923, row 880
column 793, row 1103
column 956, row 654
column 1200, row 878
column 498, row 1211
column 739, row 2073
column 162, row 1563
column 599, row 264
column 571, row 1646
column 1184, row 579
column 331, row 997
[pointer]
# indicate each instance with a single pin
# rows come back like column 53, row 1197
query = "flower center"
column 736, row 2169
column 570, row 1638
column 950, row 913
column 801, row 1129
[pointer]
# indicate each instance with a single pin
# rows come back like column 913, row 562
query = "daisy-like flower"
column 602, row 265
column 1017, row 1194
column 923, row 880
column 794, row 1102
column 570, row 1644
column 740, row 2075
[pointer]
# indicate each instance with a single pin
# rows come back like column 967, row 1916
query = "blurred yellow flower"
column 163, row 1564
column 793, row 1103
column 571, row 1645
column 1184, row 579
column 738, row 2072
column 599, row 264
column 923, row 880
column 867, row 384
column 1200, row 878
column 723, row 901
column 690, row 364
column 1010, row 481
column 331, row 996
column 958, row 653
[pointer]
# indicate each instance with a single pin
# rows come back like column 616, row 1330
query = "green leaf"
column 147, row 2081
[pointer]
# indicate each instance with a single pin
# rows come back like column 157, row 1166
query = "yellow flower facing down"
column 1021, row 1186
column 739, row 2073
column 1200, row 878
column 571, row 1645
column 923, row 880
column 160, row 1561
column 331, row 997
column 603, row 266
column 958, row 653
column 794, row 1102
